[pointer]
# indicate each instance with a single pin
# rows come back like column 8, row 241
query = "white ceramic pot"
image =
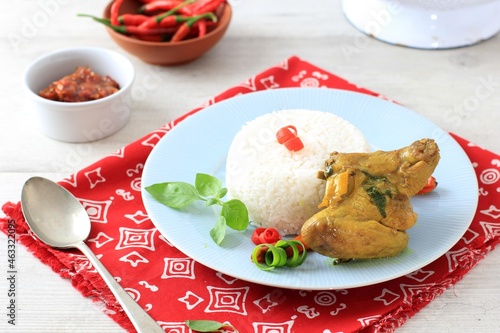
column 426, row 24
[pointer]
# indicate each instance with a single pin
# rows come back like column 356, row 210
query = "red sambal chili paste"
column 80, row 86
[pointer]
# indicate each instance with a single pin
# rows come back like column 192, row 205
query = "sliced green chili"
column 285, row 253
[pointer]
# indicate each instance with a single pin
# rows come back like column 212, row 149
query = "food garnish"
column 207, row 188
column 286, row 133
column 429, row 186
column 265, row 236
column 209, row 326
column 287, row 136
column 272, row 251
column 299, row 238
column 294, row 144
column 284, row 253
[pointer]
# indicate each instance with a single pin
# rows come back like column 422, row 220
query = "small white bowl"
column 80, row 121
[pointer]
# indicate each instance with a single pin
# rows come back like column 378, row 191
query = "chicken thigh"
column 367, row 205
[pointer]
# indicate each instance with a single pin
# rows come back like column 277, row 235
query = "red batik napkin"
column 174, row 288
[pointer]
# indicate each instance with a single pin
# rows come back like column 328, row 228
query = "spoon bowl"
column 61, row 226
column 58, row 219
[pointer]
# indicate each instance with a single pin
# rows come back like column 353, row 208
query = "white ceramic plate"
column 200, row 143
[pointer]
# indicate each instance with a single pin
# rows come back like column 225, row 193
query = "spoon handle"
column 142, row 322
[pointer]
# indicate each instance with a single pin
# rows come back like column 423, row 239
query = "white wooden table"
column 457, row 89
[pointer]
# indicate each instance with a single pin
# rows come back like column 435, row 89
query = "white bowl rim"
column 74, row 50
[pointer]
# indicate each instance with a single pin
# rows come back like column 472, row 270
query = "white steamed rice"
column 280, row 187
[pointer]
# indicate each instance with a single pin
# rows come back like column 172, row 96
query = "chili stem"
column 185, row 28
column 173, row 10
column 132, row 29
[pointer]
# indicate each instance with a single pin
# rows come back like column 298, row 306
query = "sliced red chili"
column 429, row 186
column 255, row 235
column 299, row 238
column 287, row 136
column 286, row 133
column 265, row 236
column 294, row 144
column 270, row 236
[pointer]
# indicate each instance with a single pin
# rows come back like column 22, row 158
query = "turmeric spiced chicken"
column 367, row 207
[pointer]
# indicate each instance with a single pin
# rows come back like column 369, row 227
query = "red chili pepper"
column 188, row 9
column 206, row 6
column 159, row 5
column 171, row 21
column 153, row 38
column 429, row 186
column 181, row 33
column 202, row 28
column 130, row 30
column 132, row 19
column 114, row 11
column 195, row 29
column 286, row 133
column 185, row 27
column 154, row 21
column 265, row 236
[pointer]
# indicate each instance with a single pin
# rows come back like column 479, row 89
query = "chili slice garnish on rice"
column 287, row 136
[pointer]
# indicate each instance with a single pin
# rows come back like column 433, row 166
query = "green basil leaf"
column 174, row 194
column 212, row 201
column 219, row 230
column 236, row 214
column 204, row 325
column 222, row 193
column 207, row 185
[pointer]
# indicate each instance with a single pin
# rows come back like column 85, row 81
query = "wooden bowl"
column 166, row 53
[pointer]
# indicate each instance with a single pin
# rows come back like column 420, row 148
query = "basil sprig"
column 233, row 214
column 207, row 325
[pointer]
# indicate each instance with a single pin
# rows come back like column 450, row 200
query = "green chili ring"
column 277, row 255
column 255, row 260
column 298, row 256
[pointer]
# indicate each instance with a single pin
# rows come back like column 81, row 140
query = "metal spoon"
column 57, row 218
